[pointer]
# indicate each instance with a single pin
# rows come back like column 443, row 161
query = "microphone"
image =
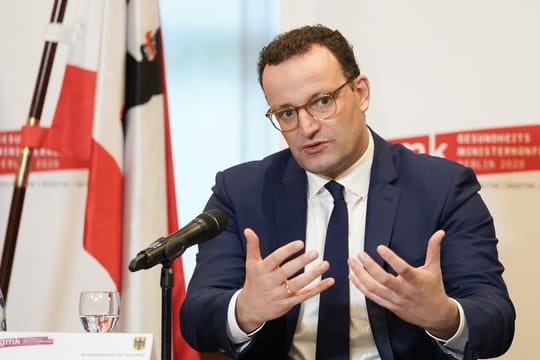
column 164, row 250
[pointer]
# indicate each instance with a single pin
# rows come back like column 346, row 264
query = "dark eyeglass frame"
column 270, row 114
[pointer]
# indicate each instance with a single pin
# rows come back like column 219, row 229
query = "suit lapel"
column 382, row 199
column 290, row 215
column 381, row 211
column 291, row 205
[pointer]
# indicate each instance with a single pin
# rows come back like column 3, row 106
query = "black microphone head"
column 215, row 219
column 164, row 250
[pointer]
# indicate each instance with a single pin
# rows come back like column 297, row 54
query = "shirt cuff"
column 237, row 335
column 456, row 344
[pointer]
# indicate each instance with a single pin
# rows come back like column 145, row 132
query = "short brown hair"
column 299, row 41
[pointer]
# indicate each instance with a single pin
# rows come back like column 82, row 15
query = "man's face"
column 325, row 147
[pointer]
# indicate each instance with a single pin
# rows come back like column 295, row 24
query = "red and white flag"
column 150, row 207
column 112, row 119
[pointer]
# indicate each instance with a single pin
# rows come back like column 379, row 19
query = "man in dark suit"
column 424, row 277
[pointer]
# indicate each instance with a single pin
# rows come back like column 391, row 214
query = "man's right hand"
column 268, row 290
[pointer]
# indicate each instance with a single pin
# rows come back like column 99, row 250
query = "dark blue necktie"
column 333, row 324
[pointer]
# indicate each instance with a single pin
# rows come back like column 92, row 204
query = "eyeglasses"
column 320, row 107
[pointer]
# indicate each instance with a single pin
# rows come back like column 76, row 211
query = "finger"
column 363, row 282
column 400, row 266
column 433, row 253
column 374, row 279
column 302, row 280
column 309, row 291
column 291, row 267
column 276, row 258
column 372, row 296
column 253, row 251
column 374, row 270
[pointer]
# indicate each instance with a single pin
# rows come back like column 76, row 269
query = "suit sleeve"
column 219, row 272
column 471, row 270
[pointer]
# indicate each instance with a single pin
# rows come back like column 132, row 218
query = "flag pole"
column 25, row 156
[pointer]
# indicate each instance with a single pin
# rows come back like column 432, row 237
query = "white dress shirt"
column 320, row 204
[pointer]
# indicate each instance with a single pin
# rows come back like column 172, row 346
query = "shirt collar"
column 355, row 179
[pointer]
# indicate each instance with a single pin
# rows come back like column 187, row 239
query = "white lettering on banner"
column 481, row 151
column 494, row 138
column 43, row 159
column 434, row 148
column 437, row 149
column 486, row 151
column 417, row 147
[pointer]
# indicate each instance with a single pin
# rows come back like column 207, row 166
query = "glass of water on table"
column 99, row 311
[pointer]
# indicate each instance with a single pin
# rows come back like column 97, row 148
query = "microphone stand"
column 164, row 251
column 166, row 282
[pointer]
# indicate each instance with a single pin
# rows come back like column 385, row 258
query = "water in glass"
column 99, row 311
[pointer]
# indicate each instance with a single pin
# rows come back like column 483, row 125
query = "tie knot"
column 336, row 189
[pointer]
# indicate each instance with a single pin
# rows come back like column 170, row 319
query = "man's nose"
column 307, row 123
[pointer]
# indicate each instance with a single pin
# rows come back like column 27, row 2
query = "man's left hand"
column 416, row 295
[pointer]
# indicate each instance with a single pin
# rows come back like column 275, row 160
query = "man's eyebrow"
column 311, row 97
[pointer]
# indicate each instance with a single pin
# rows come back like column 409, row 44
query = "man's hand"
column 268, row 293
column 416, row 295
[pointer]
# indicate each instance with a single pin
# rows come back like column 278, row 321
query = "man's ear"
column 361, row 89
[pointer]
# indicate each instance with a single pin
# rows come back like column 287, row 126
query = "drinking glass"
column 99, row 311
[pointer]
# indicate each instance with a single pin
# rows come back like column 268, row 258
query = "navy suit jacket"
column 410, row 197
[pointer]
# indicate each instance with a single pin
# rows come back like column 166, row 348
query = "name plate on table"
column 71, row 346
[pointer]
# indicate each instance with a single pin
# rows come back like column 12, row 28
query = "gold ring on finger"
column 289, row 292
